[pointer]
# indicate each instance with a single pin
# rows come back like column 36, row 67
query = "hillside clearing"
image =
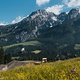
column 33, row 43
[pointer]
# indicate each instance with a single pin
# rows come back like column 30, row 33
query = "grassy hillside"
column 24, row 44
column 59, row 70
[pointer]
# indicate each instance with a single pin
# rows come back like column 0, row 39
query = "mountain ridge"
column 57, row 34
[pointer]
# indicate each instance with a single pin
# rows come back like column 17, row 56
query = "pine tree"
column 2, row 55
column 7, row 58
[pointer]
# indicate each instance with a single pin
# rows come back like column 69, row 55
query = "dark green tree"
column 7, row 58
column 2, row 55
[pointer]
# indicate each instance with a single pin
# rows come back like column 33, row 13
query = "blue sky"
column 12, row 11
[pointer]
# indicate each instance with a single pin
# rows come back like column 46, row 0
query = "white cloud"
column 3, row 23
column 18, row 19
column 55, row 9
column 72, row 3
column 42, row 2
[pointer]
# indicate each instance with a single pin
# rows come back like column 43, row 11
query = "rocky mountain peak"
column 73, row 13
column 36, row 23
column 61, row 17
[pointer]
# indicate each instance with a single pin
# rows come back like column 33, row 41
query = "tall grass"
column 60, row 70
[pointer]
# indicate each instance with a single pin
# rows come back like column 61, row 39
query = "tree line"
column 4, row 58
